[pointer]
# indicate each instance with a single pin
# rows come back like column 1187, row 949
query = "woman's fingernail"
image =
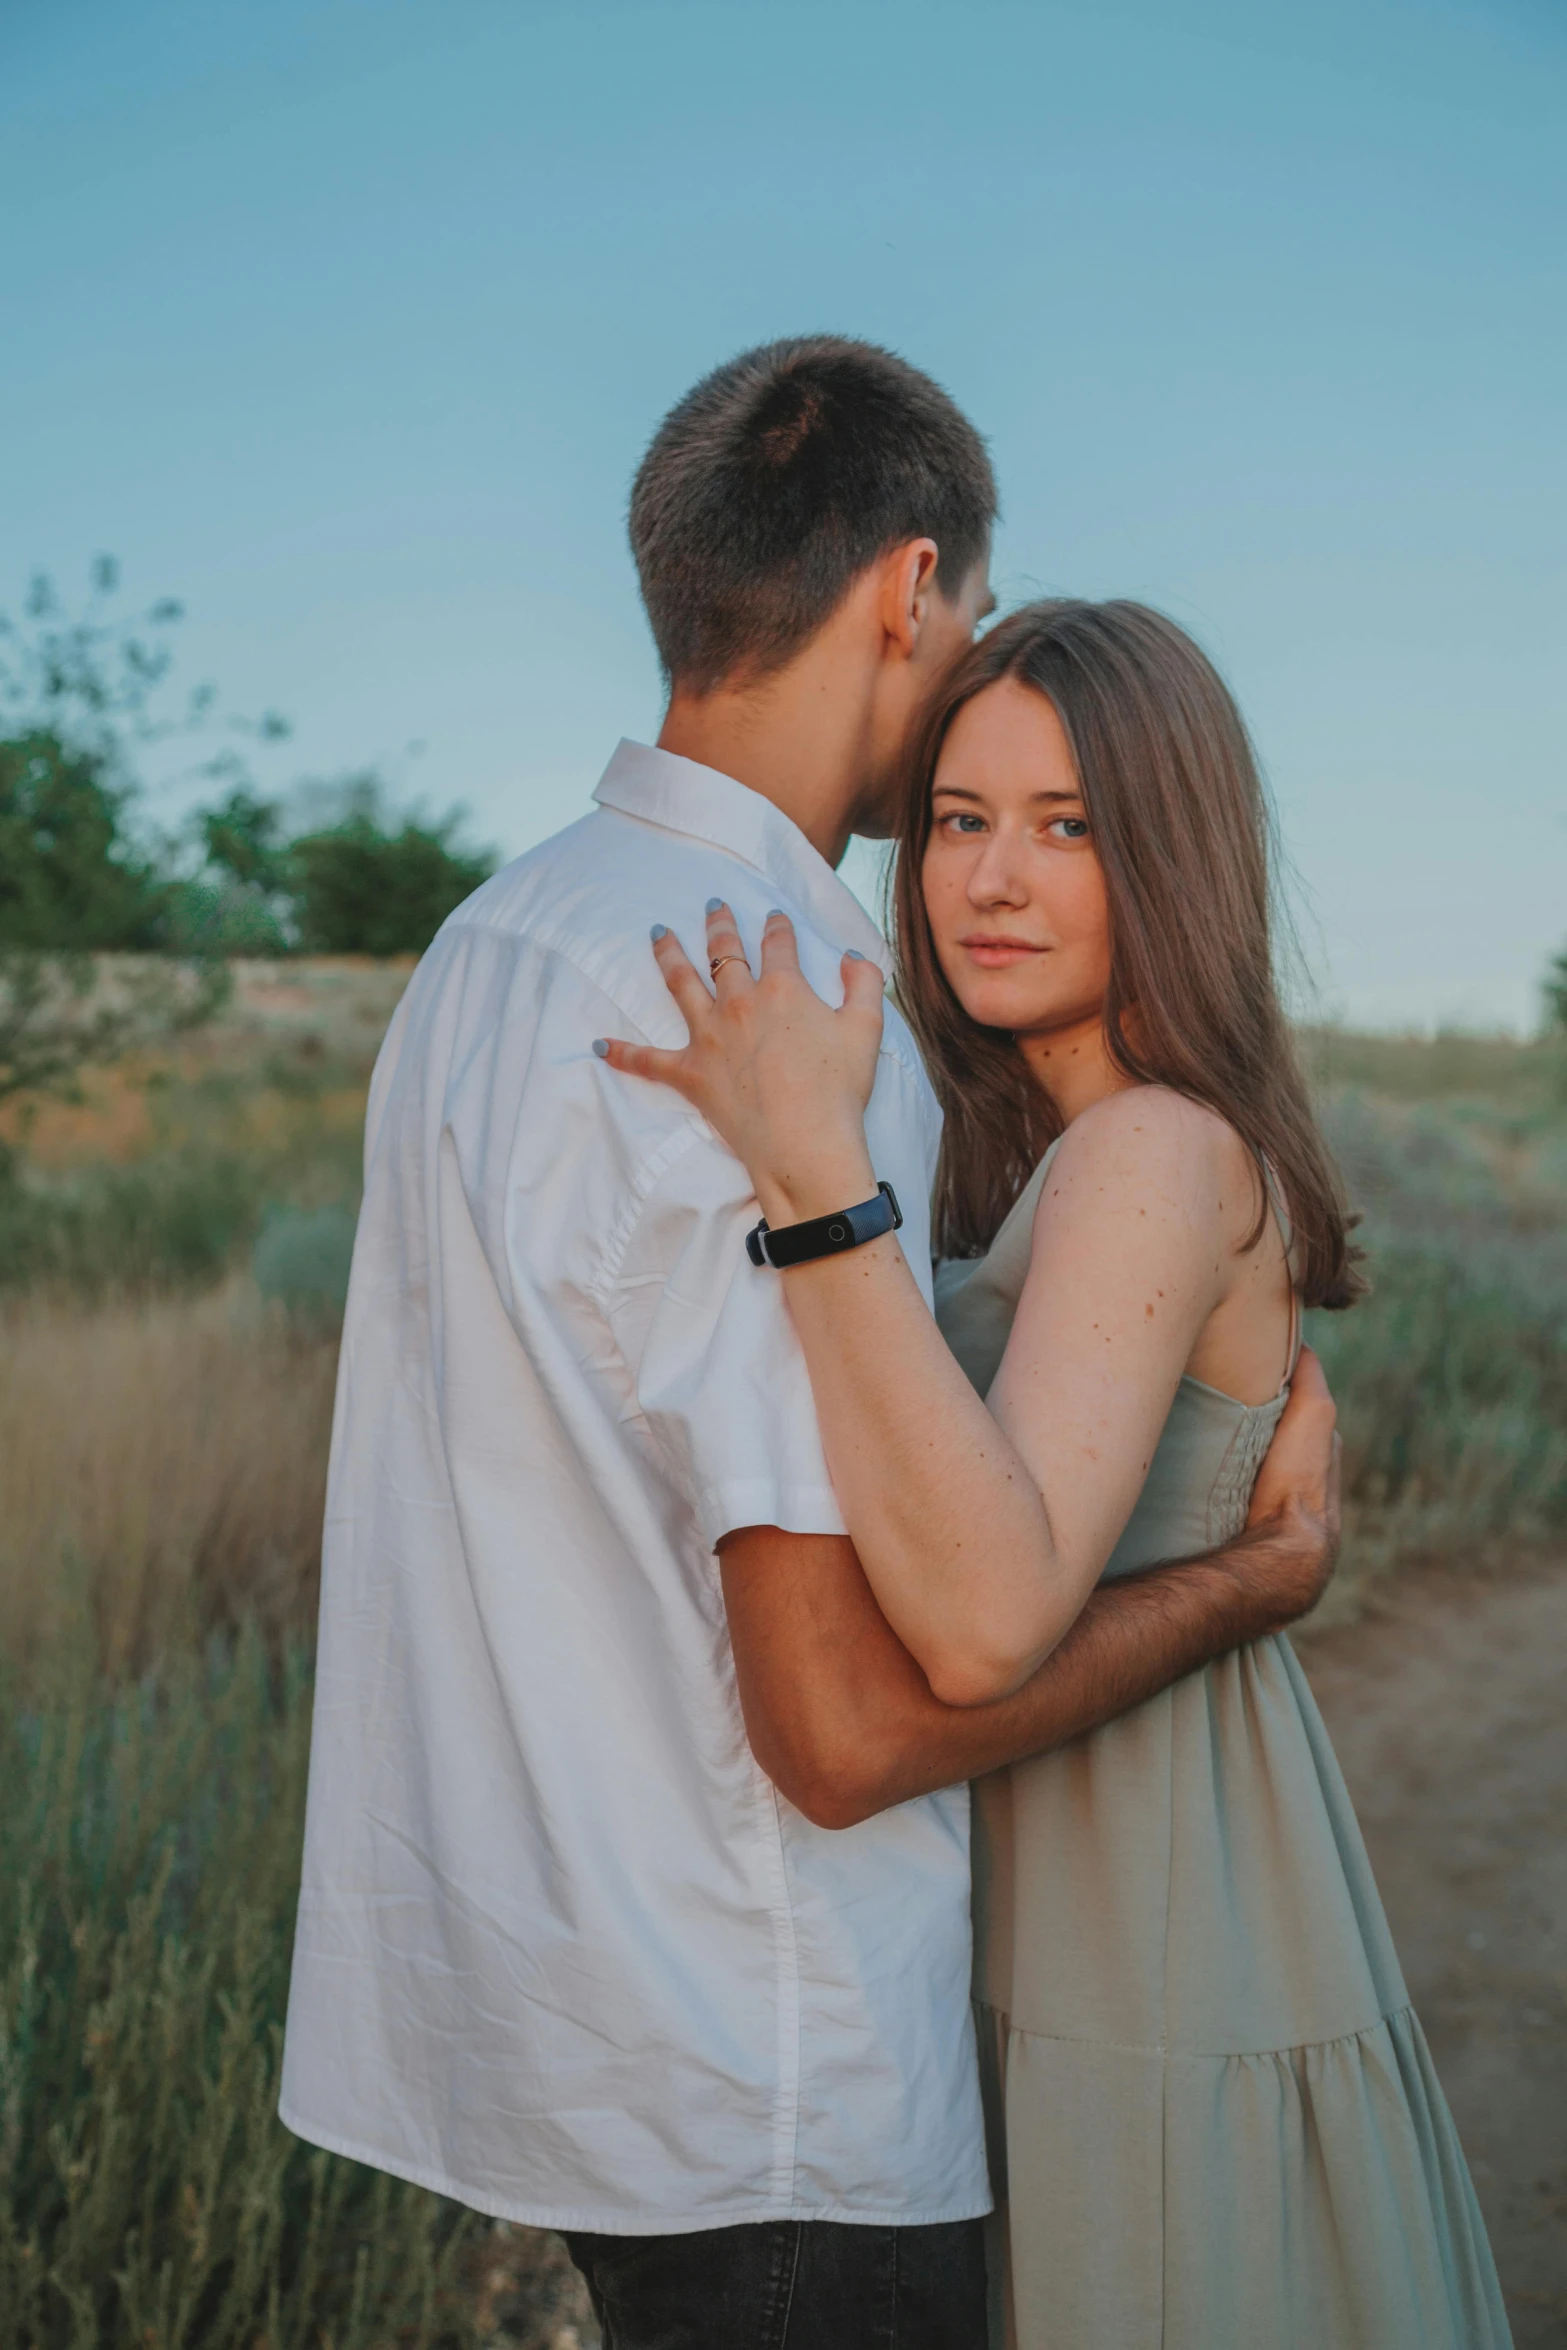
column 715, row 905
column 601, row 1047
column 855, row 956
column 658, row 931
column 776, row 914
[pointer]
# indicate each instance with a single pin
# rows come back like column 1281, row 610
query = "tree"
column 79, row 698
column 69, row 878
column 362, row 888
column 1556, row 992
column 244, row 839
column 365, row 884
column 74, row 879
column 240, row 903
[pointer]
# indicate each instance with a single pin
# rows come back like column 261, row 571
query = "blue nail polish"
column 601, row 1047
column 776, row 914
column 715, row 905
column 658, row 931
column 855, row 956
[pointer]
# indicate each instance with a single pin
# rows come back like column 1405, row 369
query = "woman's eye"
column 963, row 820
column 1071, row 827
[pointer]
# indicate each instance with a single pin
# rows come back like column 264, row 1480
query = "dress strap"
column 1281, row 1215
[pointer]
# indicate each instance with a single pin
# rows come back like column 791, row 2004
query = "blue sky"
column 346, row 321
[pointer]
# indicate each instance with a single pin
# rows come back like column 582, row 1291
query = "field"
column 173, row 1250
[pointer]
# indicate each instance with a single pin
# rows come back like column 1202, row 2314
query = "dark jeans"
column 789, row 2285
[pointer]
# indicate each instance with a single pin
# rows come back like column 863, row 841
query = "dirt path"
column 1447, row 1709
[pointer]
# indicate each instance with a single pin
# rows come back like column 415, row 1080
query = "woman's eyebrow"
column 955, row 791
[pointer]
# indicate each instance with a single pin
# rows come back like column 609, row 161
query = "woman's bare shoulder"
column 1148, row 1138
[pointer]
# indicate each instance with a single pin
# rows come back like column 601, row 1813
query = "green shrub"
column 361, row 889
column 220, row 918
column 171, row 1221
column 149, row 1845
column 1452, row 1398
column 70, row 878
column 1451, row 1377
column 302, row 1261
column 361, row 884
column 230, row 1150
column 1556, row 991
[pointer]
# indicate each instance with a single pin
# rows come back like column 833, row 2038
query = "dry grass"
column 163, row 1465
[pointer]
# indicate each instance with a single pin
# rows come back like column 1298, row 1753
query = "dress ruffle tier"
column 1213, row 2107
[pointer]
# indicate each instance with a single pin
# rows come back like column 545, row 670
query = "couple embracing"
column 764, row 1412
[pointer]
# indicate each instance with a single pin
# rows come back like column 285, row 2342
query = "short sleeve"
column 719, row 1375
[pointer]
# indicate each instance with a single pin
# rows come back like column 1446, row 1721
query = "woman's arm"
column 983, row 1531
column 844, row 1723
column 980, row 1536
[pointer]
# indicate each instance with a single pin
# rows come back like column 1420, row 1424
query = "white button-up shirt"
column 563, row 1950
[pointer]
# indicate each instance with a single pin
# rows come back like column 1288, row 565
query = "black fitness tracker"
column 825, row 1236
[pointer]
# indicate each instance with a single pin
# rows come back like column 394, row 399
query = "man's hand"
column 1296, row 1498
column 843, row 1721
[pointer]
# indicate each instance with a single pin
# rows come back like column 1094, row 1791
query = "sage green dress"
column 1214, row 2119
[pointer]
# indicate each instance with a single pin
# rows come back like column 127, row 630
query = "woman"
column 1219, row 2120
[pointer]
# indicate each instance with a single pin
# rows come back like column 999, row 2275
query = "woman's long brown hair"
column 1178, row 818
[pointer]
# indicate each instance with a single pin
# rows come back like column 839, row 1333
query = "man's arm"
column 843, row 1721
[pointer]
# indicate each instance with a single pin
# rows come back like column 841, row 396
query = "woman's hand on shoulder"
column 780, row 1075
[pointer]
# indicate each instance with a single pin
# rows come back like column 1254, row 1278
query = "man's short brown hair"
column 781, row 477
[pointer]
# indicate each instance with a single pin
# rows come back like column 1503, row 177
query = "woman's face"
column 1011, row 878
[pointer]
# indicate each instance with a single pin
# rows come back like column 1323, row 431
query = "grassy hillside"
column 1452, row 1376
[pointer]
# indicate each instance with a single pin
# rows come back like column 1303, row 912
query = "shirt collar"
column 661, row 788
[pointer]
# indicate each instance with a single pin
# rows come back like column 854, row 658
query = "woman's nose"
column 997, row 877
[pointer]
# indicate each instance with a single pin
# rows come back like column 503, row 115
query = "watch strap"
column 825, row 1236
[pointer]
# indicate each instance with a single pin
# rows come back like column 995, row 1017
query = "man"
column 635, row 1899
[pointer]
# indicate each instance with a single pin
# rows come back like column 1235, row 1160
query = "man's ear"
column 907, row 585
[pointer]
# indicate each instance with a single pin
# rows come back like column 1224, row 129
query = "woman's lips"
column 998, row 954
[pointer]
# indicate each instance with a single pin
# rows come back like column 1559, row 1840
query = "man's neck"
column 798, row 738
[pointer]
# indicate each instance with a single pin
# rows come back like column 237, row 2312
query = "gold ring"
column 717, row 962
